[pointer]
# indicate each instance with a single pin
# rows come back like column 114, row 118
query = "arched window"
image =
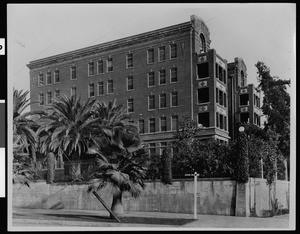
column 242, row 79
column 203, row 44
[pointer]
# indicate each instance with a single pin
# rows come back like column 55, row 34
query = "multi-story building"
column 243, row 98
column 159, row 75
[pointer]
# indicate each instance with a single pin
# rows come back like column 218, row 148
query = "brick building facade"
column 159, row 75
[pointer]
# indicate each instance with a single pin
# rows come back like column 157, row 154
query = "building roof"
column 119, row 43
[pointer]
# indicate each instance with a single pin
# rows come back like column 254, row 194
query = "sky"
column 255, row 32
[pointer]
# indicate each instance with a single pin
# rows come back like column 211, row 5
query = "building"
column 243, row 99
column 159, row 75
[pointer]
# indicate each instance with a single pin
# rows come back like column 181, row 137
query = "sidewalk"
column 39, row 218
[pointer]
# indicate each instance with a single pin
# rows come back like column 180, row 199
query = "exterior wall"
column 219, row 196
column 212, row 58
column 187, row 37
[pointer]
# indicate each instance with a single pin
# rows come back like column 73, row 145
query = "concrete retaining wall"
column 215, row 196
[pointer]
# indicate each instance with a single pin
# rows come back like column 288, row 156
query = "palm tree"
column 24, row 138
column 121, row 165
column 65, row 130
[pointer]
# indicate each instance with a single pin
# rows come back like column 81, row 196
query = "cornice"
column 112, row 45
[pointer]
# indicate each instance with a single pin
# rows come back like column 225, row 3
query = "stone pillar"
column 242, row 200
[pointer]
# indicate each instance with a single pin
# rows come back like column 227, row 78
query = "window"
column 41, row 79
column 161, row 53
column 163, row 124
column 152, row 149
column 73, row 72
column 73, row 91
column 173, row 74
column 203, row 44
column 224, row 101
column 56, row 93
column 203, row 119
column 221, row 74
column 150, row 55
column 91, row 90
column 56, row 76
column 224, row 76
column 221, row 121
column 203, row 95
column 152, row 125
column 41, row 99
column 141, row 126
column 129, row 83
column 162, row 100
column 100, row 88
column 244, row 99
column 129, row 60
column 217, row 95
column 151, row 102
column 100, row 66
column 91, row 71
column 225, row 123
column 217, row 119
column 243, row 81
column 163, row 146
column 203, row 71
column 110, row 86
column 217, row 71
column 256, row 119
column 151, row 79
column 220, row 97
column 174, row 123
column 244, row 117
column 109, row 65
column 173, row 51
column 174, row 98
column 48, row 78
column 49, row 98
column 130, row 105
column 162, row 77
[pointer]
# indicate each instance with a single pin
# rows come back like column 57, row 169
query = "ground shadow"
column 98, row 218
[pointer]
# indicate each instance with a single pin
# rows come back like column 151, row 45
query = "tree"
column 209, row 158
column 123, row 168
column 66, row 130
column 276, row 106
column 24, row 138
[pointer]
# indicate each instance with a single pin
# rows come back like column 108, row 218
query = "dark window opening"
column 151, row 104
column 91, row 69
column 203, row 44
column 100, row 66
column 152, row 125
column 152, row 149
column 203, row 70
column 130, row 105
column 141, row 126
column 244, row 117
column 203, row 95
column 162, row 100
column 203, row 119
column 243, row 83
column 244, row 99
column 163, row 124
column 151, row 79
column 217, row 71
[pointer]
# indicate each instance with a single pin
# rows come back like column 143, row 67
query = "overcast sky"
column 255, row 32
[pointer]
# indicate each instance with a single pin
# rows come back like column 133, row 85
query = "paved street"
column 41, row 219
